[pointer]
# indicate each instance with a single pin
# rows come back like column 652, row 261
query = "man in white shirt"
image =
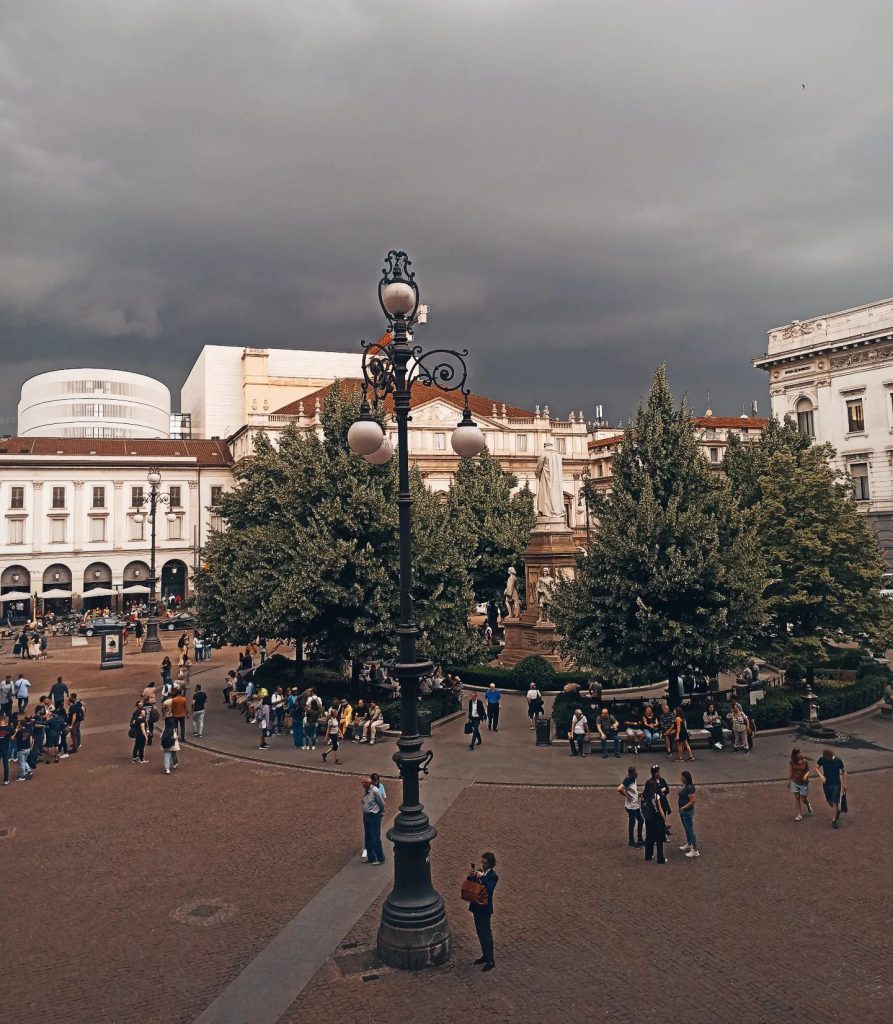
column 22, row 689
column 629, row 789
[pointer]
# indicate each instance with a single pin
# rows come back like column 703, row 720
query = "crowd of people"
column 48, row 734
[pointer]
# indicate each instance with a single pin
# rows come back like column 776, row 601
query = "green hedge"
column 780, row 707
column 278, row 670
column 506, row 678
column 438, row 705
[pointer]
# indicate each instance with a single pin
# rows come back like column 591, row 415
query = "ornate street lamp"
column 413, row 932
column 152, row 500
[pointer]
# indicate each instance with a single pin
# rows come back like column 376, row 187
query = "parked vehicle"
column 181, row 621
column 101, row 625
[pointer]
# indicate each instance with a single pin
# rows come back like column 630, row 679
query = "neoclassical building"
column 514, row 436
column 834, row 375
column 74, row 518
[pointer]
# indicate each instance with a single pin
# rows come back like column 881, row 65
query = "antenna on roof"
column 753, row 408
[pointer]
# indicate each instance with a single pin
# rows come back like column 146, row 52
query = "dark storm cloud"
column 587, row 188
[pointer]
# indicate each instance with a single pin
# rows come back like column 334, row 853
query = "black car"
column 101, row 625
column 181, row 621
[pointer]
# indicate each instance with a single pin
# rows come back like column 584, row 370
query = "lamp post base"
column 413, row 949
column 151, row 641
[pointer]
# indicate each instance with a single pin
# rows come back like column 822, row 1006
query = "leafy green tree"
column 746, row 461
column 823, row 559
column 672, row 575
column 497, row 522
column 310, row 552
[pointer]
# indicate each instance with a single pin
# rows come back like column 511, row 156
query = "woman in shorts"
column 798, row 775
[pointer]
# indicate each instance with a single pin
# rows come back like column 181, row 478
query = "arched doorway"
column 173, row 581
column 98, row 590
column 56, row 591
column 136, row 587
column 15, row 591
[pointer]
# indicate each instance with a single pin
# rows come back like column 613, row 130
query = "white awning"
column 136, row 589
column 56, row 592
column 99, row 592
column 16, row 595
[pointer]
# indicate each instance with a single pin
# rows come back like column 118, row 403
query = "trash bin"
column 543, row 732
column 425, row 718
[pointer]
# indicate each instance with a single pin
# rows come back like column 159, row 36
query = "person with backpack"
column 23, row 688
column 138, row 733
column 534, row 704
column 312, row 709
column 170, row 748
column 483, row 912
column 52, row 736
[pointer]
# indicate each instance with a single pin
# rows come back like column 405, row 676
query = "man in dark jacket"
column 476, row 714
column 483, row 913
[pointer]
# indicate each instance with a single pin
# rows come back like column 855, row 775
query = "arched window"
column 805, row 421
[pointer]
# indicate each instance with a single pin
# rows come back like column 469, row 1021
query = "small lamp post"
column 152, row 500
column 414, row 932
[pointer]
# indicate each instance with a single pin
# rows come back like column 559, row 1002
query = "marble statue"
column 512, row 598
column 544, row 587
column 549, row 493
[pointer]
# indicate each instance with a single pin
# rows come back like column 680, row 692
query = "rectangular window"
column 136, row 497
column 58, row 497
column 174, row 492
column 97, row 528
column 855, row 417
column 17, row 497
column 561, row 445
column 711, row 433
column 137, row 530
column 806, row 423
column 859, row 472
column 57, row 531
column 440, row 442
column 15, row 531
column 216, row 522
column 714, row 455
column 216, row 495
column 98, row 497
column 521, row 443
column 175, row 528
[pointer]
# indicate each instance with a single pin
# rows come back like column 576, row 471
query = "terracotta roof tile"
column 421, row 393
column 205, row 453
column 739, row 422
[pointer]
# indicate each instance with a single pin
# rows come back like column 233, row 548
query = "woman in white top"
column 534, row 704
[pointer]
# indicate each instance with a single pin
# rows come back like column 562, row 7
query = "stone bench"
column 696, row 738
column 886, row 710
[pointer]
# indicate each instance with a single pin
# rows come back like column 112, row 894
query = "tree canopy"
column 672, row 575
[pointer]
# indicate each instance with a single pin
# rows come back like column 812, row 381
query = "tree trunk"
column 674, row 695
column 299, row 656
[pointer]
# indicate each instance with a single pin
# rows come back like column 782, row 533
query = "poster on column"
column 111, row 651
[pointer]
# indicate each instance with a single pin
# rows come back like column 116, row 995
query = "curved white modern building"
column 94, row 403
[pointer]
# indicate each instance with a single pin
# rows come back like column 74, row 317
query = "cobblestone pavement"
column 142, row 895
column 777, row 921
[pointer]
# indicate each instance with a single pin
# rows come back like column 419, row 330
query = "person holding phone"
column 483, row 913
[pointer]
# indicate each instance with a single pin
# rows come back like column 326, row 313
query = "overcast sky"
column 586, row 188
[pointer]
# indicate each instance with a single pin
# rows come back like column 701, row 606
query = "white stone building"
column 94, row 403
column 71, row 517
column 834, row 375
column 229, row 384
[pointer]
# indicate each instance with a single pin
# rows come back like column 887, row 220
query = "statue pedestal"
column 551, row 544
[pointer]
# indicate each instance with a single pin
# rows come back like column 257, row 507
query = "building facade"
column 834, row 375
column 229, row 384
column 514, row 436
column 74, row 520
column 94, row 403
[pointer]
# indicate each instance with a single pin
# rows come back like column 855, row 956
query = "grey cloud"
column 587, row 187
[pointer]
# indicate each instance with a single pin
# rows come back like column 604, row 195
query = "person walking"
column 686, row 799
column 492, row 696
column 332, row 736
column 179, row 709
column 199, row 699
column 74, row 722
column 629, row 790
column 165, row 672
column 373, row 809
column 578, row 733
column 6, row 739
column 138, row 733
column 170, row 749
column 534, row 704
column 798, row 778
column 476, row 714
column 7, row 696
column 680, row 735
column 483, row 913
column 655, row 821
column 832, row 772
column 58, row 693
column 263, row 722
column 312, row 709
column 22, row 739
column 277, row 710
column 23, row 688
column 296, row 712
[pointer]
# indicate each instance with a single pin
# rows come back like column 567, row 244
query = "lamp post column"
column 151, row 643
column 414, row 932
